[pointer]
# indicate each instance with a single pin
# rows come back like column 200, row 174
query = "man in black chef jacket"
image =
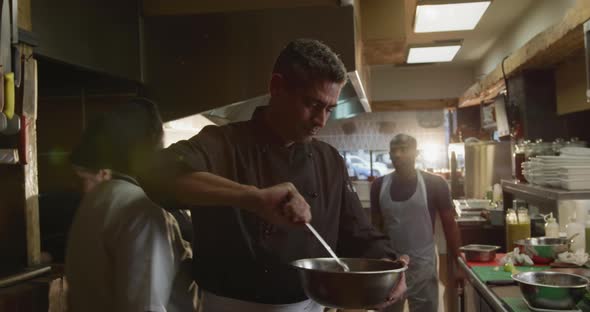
column 252, row 185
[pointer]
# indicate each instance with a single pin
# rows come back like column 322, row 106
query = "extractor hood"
column 219, row 59
column 352, row 101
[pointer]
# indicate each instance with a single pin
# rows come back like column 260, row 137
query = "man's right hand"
column 280, row 204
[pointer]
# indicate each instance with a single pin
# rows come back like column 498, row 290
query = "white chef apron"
column 212, row 303
column 409, row 227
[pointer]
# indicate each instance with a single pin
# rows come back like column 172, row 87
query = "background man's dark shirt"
column 238, row 255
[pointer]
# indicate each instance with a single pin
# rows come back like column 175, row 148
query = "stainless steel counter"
column 493, row 295
column 483, row 290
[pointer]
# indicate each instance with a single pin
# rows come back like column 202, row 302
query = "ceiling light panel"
column 449, row 17
column 432, row 54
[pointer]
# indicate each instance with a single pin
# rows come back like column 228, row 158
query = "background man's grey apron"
column 409, row 227
column 213, row 303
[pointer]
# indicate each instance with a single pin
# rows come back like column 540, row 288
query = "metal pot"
column 366, row 286
column 543, row 250
column 551, row 290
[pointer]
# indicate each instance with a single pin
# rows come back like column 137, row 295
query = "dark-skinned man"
column 404, row 204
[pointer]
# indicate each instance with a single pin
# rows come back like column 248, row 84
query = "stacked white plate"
column 575, row 175
column 570, row 170
column 575, row 151
column 542, row 171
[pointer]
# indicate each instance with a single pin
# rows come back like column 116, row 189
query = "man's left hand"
column 398, row 292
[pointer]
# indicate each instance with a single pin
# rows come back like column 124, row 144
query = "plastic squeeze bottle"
column 574, row 227
column 552, row 228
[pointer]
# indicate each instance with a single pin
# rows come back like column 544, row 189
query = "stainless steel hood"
column 352, row 101
column 201, row 63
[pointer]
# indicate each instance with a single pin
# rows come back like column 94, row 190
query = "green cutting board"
column 488, row 273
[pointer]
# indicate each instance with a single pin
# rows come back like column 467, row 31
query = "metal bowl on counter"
column 551, row 290
column 480, row 253
column 367, row 285
column 543, row 250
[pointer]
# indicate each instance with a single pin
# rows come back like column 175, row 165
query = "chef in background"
column 124, row 252
column 404, row 204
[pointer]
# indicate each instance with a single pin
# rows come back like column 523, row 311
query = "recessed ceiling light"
column 432, row 54
column 449, row 17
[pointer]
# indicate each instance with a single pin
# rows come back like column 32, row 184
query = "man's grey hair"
column 306, row 60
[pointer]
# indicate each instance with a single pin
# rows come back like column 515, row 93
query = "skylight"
column 432, row 54
column 449, row 17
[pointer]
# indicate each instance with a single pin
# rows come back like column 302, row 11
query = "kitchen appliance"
column 367, row 285
column 486, row 163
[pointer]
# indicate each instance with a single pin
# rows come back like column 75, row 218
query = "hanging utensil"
column 14, row 21
column 319, row 238
column 5, row 38
column 8, row 93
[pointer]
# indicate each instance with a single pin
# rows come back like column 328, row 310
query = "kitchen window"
column 364, row 164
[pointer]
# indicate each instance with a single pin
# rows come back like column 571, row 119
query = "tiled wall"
column 373, row 131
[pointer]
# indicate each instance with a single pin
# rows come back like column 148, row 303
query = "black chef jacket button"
column 309, row 154
column 313, row 195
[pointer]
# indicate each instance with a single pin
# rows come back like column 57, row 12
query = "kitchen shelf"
column 536, row 193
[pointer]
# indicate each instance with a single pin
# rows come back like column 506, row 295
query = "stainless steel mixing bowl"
column 551, row 290
column 480, row 253
column 367, row 285
column 543, row 250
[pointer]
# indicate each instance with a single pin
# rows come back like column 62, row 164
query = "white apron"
column 213, row 303
column 409, row 228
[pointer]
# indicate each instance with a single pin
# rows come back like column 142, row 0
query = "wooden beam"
column 384, row 51
column 24, row 15
column 545, row 50
column 31, row 184
column 401, row 105
column 570, row 85
column 186, row 7
column 20, row 243
column 475, row 95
